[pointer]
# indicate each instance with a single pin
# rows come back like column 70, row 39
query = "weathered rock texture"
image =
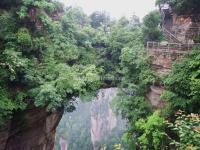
column 63, row 144
column 92, row 125
column 33, row 129
column 180, row 31
column 163, row 59
column 103, row 120
column 183, row 27
column 154, row 96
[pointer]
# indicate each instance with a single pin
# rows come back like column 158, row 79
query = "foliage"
column 7, row 106
column 151, row 30
column 109, row 44
column 182, row 6
column 153, row 132
column 136, row 78
column 130, row 107
column 188, row 129
column 49, row 56
column 24, row 37
column 182, row 85
column 40, row 54
column 99, row 18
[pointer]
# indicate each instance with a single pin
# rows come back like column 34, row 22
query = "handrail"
column 180, row 27
column 171, row 36
column 173, row 47
column 193, row 31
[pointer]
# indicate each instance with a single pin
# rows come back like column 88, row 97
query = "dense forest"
column 50, row 54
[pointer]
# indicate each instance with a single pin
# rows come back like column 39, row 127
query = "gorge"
column 92, row 125
column 57, row 62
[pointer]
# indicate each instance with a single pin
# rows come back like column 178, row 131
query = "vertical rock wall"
column 33, row 129
column 92, row 125
column 103, row 119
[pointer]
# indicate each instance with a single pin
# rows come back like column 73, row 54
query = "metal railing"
column 181, row 34
column 172, row 47
column 191, row 31
column 170, row 36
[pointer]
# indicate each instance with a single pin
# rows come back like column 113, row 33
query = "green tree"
column 187, row 127
column 153, row 132
column 99, row 18
column 182, row 6
column 39, row 57
column 151, row 30
column 182, row 85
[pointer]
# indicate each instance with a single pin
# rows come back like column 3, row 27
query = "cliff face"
column 91, row 125
column 180, row 32
column 163, row 57
column 185, row 28
column 33, row 129
column 103, row 119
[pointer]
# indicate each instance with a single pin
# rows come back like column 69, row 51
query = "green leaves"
column 183, row 82
column 57, row 89
column 150, row 29
column 8, row 25
column 187, row 128
column 153, row 131
column 182, row 6
column 23, row 12
column 8, row 104
column 41, row 56
column 13, row 62
column 24, row 37
column 47, row 95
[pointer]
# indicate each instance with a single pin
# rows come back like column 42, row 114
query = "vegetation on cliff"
column 167, row 128
column 42, row 56
column 49, row 55
column 182, row 6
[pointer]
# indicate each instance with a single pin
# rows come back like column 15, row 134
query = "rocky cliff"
column 103, row 120
column 92, row 125
column 33, row 129
column 180, row 32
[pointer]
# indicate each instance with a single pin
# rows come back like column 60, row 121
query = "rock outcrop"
column 184, row 28
column 33, row 129
column 92, row 125
column 63, row 144
column 154, row 96
column 180, row 32
column 103, row 120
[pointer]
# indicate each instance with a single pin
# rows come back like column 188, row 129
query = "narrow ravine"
column 92, row 125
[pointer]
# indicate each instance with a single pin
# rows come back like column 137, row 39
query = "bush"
column 187, row 127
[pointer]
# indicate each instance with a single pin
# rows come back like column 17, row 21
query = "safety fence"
column 172, row 47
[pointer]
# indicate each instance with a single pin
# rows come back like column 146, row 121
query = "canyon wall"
column 180, row 31
column 33, row 129
column 92, row 125
column 163, row 58
column 103, row 120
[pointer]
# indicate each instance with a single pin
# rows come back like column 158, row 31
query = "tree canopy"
column 50, row 54
column 182, row 6
column 41, row 56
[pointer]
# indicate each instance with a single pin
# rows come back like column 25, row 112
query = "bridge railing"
column 172, row 46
